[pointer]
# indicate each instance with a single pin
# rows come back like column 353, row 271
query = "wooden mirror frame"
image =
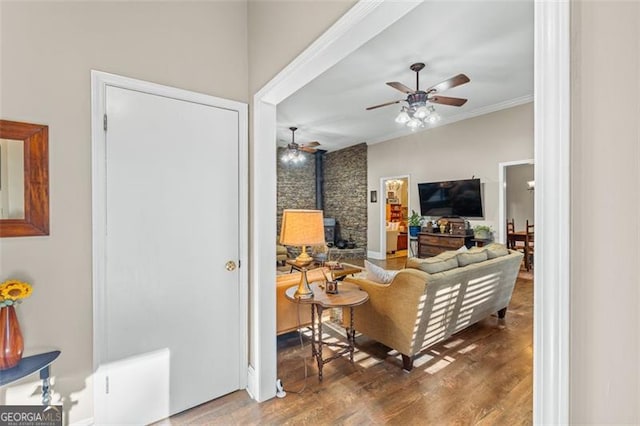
column 36, row 179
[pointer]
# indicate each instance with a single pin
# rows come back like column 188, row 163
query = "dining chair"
column 529, row 245
column 511, row 228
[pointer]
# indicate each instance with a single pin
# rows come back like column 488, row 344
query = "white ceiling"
column 489, row 41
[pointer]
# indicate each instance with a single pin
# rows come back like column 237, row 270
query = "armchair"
column 281, row 252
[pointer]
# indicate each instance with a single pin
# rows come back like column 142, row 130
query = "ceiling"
column 489, row 41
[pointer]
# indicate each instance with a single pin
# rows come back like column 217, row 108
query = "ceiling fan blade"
column 307, row 149
column 445, row 100
column 310, row 144
column 401, row 87
column 448, row 84
column 385, row 104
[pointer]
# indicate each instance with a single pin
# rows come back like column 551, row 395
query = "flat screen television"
column 451, row 198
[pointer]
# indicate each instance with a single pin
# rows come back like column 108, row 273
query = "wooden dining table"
column 526, row 238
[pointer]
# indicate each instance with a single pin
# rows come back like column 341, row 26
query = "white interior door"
column 171, row 307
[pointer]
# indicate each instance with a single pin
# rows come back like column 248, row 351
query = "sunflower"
column 15, row 290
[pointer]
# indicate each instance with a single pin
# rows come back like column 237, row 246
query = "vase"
column 442, row 228
column 11, row 343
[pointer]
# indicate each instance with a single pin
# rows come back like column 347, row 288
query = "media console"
column 434, row 243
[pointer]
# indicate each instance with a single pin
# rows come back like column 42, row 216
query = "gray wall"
column 605, row 153
column 460, row 150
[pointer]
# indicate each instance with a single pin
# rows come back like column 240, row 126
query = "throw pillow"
column 474, row 255
column 446, row 255
column 496, row 250
column 433, row 265
column 462, row 249
column 377, row 274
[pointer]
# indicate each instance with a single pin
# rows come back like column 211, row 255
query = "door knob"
column 230, row 265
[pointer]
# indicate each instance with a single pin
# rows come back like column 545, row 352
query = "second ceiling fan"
column 417, row 99
column 292, row 153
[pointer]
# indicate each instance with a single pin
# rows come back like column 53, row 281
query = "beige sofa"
column 418, row 309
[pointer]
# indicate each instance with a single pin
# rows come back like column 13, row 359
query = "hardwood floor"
column 483, row 375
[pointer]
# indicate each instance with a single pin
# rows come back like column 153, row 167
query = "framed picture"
column 374, row 196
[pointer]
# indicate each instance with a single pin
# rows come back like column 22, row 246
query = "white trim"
column 376, row 255
column 502, row 196
column 99, row 82
column 552, row 212
column 462, row 115
column 252, row 382
column 263, row 253
column 551, row 317
column 362, row 22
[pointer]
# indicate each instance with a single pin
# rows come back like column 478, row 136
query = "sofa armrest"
column 390, row 314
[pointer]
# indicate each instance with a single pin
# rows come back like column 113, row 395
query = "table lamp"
column 302, row 228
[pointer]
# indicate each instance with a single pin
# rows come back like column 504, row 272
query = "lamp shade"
column 302, row 228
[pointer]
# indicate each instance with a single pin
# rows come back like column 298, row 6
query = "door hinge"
column 238, row 263
column 106, row 384
column 104, row 122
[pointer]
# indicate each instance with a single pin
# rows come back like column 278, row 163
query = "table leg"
column 46, row 386
column 319, row 353
column 351, row 334
column 313, row 332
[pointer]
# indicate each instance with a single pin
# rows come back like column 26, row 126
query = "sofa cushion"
column 432, row 265
column 496, row 250
column 473, row 255
column 378, row 274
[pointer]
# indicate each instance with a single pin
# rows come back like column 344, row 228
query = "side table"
column 349, row 295
column 29, row 365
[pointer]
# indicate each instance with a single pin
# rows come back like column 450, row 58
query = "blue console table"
column 30, row 365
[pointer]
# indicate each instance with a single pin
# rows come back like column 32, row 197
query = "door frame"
column 99, row 83
column 502, row 195
column 552, row 156
column 383, row 211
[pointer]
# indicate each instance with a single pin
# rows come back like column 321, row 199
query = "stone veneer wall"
column 296, row 185
column 345, row 192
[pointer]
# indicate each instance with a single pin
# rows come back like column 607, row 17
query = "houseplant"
column 482, row 232
column 415, row 222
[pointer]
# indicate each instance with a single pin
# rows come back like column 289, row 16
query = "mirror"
column 29, row 144
column 11, row 179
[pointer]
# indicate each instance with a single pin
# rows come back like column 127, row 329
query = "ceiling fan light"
column 433, row 118
column 421, row 112
column 414, row 123
column 402, row 117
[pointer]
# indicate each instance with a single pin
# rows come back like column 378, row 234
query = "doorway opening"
column 395, row 190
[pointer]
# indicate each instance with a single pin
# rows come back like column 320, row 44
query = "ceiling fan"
column 293, row 149
column 417, row 109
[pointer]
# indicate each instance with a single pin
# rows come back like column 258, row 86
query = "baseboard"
column 252, row 382
column 376, row 255
column 84, row 422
